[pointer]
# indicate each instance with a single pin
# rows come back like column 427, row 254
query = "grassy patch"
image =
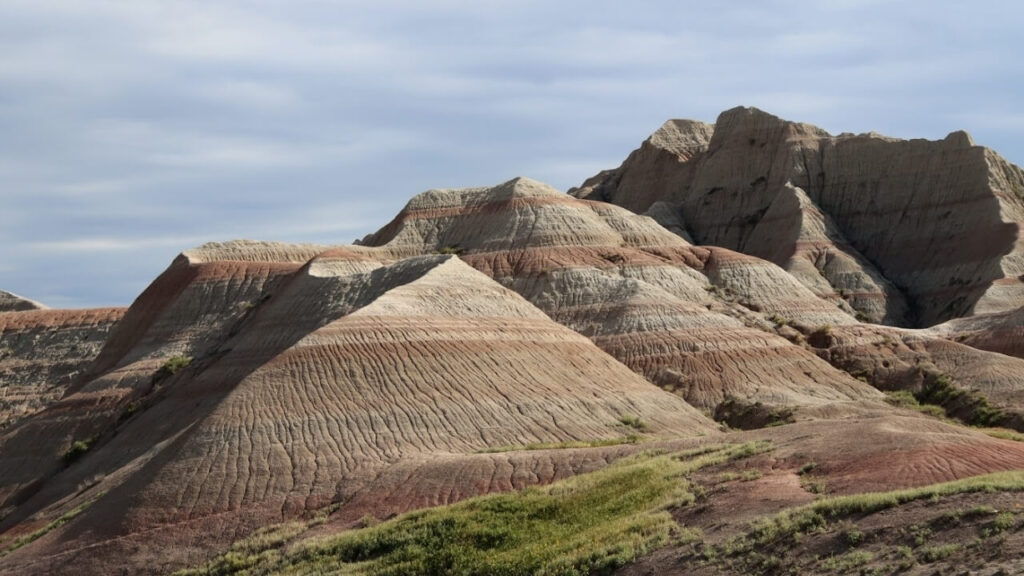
column 786, row 529
column 592, row 522
column 931, row 554
column 53, row 525
column 846, row 562
column 629, row 439
column 1004, row 434
column 966, row 405
column 169, row 368
column 633, row 422
column 449, row 249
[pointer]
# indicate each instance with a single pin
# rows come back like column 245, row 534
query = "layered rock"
column 907, row 232
column 350, row 367
column 1001, row 332
column 690, row 319
column 42, row 352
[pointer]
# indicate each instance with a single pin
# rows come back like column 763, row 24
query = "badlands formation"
column 719, row 347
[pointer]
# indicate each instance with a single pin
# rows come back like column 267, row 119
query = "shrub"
column 172, row 366
column 77, row 449
column 633, row 422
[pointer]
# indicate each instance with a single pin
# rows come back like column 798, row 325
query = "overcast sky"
column 130, row 131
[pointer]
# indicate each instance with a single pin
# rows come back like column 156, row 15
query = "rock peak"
column 13, row 303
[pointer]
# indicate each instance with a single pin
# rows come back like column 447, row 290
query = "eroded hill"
column 701, row 380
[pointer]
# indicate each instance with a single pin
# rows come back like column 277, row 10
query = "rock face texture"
column 14, row 303
column 680, row 315
column 42, row 352
column 908, row 233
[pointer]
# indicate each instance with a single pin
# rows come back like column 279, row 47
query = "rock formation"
column 909, row 233
column 494, row 339
column 678, row 314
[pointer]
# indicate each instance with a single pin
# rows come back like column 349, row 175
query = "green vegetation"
column 171, row 367
column 53, row 525
column 449, row 249
column 969, row 406
column 78, row 449
column 629, row 439
column 786, row 529
column 931, row 554
column 592, row 522
column 905, row 399
column 847, row 561
column 1004, row 433
column 750, row 475
column 1003, row 522
column 633, row 422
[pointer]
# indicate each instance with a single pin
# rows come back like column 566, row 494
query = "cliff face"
column 909, row 233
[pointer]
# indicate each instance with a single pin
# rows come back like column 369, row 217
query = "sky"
column 133, row 130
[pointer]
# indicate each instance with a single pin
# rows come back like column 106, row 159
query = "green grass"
column 787, row 526
column 1004, row 434
column 629, row 439
column 53, row 525
column 170, row 367
column 77, row 449
column 846, row 562
column 931, row 554
column 589, row 523
column 633, row 422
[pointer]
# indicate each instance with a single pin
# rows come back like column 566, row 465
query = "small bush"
column 935, row 553
column 633, row 422
column 1003, row 522
column 807, row 468
column 449, row 249
column 77, row 449
column 172, row 366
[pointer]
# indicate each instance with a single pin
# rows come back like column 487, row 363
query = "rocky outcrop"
column 908, row 233
column 42, row 352
column 14, row 303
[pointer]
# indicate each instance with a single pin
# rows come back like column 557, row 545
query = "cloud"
column 130, row 131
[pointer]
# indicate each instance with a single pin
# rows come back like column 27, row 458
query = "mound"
column 351, row 368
